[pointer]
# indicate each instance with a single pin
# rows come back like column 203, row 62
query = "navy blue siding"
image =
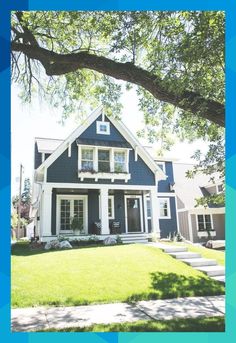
column 90, row 133
column 65, row 169
column 164, row 185
column 169, row 226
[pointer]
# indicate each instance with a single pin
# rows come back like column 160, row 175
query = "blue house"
column 101, row 181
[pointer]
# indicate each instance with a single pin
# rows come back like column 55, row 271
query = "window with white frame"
column 69, row 210
column 103, row 128
column 204, row 222
column 164, row 208
column 103, row 160
column 119, row 162
column 87, row 163
column 220, row 188
column 111, row 208
column 148, row 208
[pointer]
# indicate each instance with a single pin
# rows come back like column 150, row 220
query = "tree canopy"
column 173, row 60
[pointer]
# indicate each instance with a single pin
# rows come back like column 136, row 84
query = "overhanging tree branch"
column 59, row 64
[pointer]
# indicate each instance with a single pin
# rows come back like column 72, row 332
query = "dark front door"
column 133, row 214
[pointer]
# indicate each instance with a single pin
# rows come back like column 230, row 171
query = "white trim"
column 110, row 176
column 168, row 208
column 140, row 210
column 43, row 157
column 71, row 197
column 219, row 210
column 190, row 227
column 166, row 194
column 112, row 206
column 69, row 150
column 177, row 217
column 104, row 123
column 146, row 218
column 98, row 186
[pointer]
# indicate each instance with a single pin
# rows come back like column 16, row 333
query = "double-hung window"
column 164, row 208
column 87, row 159
column 204, row 222
column 119, row 162
column 104, row 161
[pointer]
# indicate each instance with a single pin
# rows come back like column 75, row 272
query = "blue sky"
column 39, row 119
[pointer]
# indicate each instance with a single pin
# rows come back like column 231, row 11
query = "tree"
column 25, row 200
column 174, row 61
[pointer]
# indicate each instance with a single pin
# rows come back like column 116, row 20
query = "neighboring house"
column 197, row 224
column 101, row 174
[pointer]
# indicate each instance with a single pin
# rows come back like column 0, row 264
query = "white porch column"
column 104, row 211
column 46, row 219
column 154, row 212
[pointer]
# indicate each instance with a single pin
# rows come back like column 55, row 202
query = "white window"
column 103, row 128
column 119, row 162
column 148, row 208
column 204, row 222
column 111, row 208
column 87, row 159
column 103, row 161
column 220, row 188
column 164, row 208
column 71, row 213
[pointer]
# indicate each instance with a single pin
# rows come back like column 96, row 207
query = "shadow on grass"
column 212, row 324
column 171, row 285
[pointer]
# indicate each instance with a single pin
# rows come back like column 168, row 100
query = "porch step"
column 199, row 262
column 174, row 249
column 134, row 238
column 212, row 270
column 185, row 255
column 220, row 278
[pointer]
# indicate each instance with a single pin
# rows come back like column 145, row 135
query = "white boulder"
column 109, row 241
column 65, row 245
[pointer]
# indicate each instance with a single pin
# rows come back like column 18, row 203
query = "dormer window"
column 103, row 128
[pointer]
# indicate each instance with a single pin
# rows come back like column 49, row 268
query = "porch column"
column 45, row 221
column 154, row 212
column 104, row 211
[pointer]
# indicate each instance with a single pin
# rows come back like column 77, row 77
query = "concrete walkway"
column 40, row 318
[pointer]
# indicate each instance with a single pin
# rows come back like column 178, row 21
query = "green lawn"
column 102, row 275
column 217, row 255
column 210, row 324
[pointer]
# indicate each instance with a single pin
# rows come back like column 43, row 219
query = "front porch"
column 72, row 210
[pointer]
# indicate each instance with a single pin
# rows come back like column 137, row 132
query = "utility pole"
column 19, row 203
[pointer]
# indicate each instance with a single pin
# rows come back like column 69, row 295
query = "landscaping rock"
column 110, row 241
column 55, row 244
column 65, row 245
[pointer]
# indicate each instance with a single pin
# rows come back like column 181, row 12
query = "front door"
column 134, row 214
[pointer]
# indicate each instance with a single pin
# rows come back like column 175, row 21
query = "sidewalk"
column 41, row 318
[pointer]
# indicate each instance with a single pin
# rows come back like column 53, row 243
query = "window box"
column 205, row 234
column 99, row 175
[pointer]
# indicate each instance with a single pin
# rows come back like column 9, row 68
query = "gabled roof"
column 125, row 132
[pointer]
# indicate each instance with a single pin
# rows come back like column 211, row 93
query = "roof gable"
column 122, row 134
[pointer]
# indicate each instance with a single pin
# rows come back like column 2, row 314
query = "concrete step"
column 144, row 241
column 174, row 249
column 185, row 255
column 220, row 278
column 212, row 270
column 199, row 262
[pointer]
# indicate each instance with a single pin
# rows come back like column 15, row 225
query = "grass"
column 122, row 273
column 217, row 255
column 210, row 324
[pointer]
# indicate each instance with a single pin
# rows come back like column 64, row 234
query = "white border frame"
column 212, row 224
column 168, row 208
column 106, row 123
column 58, row 212
column 112, row 206
column 141, row 213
